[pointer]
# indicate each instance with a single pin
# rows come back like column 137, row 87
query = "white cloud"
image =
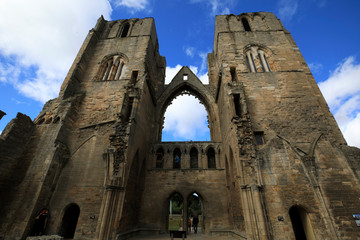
column 315, row 67
column 342, row 93
column 134, row 5
column 218, row 7
column 186, row 119
column 287, row 9
column 44, row 38
column 171, row 72
column 9, row 73
column 190, row 51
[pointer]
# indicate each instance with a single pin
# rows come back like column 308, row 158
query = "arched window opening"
column 160, row 158
column 301, row 223
column 211, row 158
column 194, row 158
column 125, row 30
column 177, row 158
column 195, row 214
column 176, row 212
column 246, row 24
column 111, row 69
column 186, row 119
column 69, row 221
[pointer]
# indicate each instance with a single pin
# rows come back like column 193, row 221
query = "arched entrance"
column 301, row 223
column 69, row 221
column 195, row 216
column 176, row 212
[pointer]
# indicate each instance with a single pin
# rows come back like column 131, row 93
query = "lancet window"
column 246, row 24
column 255, row 55
column 125, row 30
column 112, row 69
column 211, row 158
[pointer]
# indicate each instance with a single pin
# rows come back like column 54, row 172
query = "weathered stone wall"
column 14, row 160
column 300, row 162
column 95, row 146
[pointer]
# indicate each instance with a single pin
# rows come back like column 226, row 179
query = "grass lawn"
column 175, row 222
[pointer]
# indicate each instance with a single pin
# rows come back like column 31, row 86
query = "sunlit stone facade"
column 276, row 164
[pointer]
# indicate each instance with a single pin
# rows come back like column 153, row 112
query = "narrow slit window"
column 246, row 24
column 237, row 105
column 259, row 138
column 134, row 76
column 125, row 30
column 193, row 158
column 211, row 158
column 233, row 74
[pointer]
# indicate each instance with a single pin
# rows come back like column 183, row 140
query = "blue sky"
column 39, row 40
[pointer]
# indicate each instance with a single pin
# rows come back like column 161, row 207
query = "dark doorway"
column 301, row 223
column 195, row 214
column 69, row 221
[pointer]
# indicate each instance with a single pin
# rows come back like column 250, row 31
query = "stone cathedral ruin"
column 276, row 167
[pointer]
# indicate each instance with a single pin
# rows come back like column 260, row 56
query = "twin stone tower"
column 277, row 165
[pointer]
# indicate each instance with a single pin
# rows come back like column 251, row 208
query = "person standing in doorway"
column 195, row 223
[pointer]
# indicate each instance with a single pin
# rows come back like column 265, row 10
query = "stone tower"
column 277, row 164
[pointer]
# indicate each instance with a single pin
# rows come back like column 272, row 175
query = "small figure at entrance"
column 40, row 222
column 195, row 222
column 189, row 224
column 177, row 162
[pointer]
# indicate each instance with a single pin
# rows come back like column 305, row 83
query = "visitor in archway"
column 40, row 222
column 195, row 222
column 189, row 224
column 177, row 161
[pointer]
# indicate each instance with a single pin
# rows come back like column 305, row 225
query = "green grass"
column 175, row 222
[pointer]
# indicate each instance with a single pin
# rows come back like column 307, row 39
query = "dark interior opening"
column 69, row 221
column 246, row 24
column 297, row 223
column 193, row 158
column 125, row 30
column 177, row 158
column 211, row 158
column 237, row 105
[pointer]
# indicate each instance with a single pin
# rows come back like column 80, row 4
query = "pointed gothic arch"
column 192, row 86
column 194, row 158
